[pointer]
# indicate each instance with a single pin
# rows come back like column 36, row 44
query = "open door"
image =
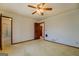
column 37, row 30
column 0, row 32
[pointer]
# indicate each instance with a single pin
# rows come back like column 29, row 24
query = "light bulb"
column 10, row 19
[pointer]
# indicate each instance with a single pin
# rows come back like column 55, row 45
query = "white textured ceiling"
column 21, row 8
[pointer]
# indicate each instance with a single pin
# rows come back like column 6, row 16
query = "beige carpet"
column 40, row 48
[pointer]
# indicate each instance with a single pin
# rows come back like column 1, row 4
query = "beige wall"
column 63, row 28
column 23, row 27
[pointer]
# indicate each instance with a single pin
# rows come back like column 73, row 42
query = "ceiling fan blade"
column 34, row 12
column 40, row 5
column 31, row 6
column 47, row 8
column 43, row 4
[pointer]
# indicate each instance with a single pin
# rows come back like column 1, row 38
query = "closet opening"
column 6, row 31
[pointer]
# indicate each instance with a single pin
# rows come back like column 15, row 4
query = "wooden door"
column 37, row 30
column 1, row 32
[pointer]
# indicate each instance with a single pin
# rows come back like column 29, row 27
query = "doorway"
column 39, row 30
column 5, row 31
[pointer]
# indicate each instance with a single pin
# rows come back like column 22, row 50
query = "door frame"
column 44, row 28
column 1, row 29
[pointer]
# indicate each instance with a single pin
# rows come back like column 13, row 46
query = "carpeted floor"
column 40, row 48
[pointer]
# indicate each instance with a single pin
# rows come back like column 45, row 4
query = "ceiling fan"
column 40, row 8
